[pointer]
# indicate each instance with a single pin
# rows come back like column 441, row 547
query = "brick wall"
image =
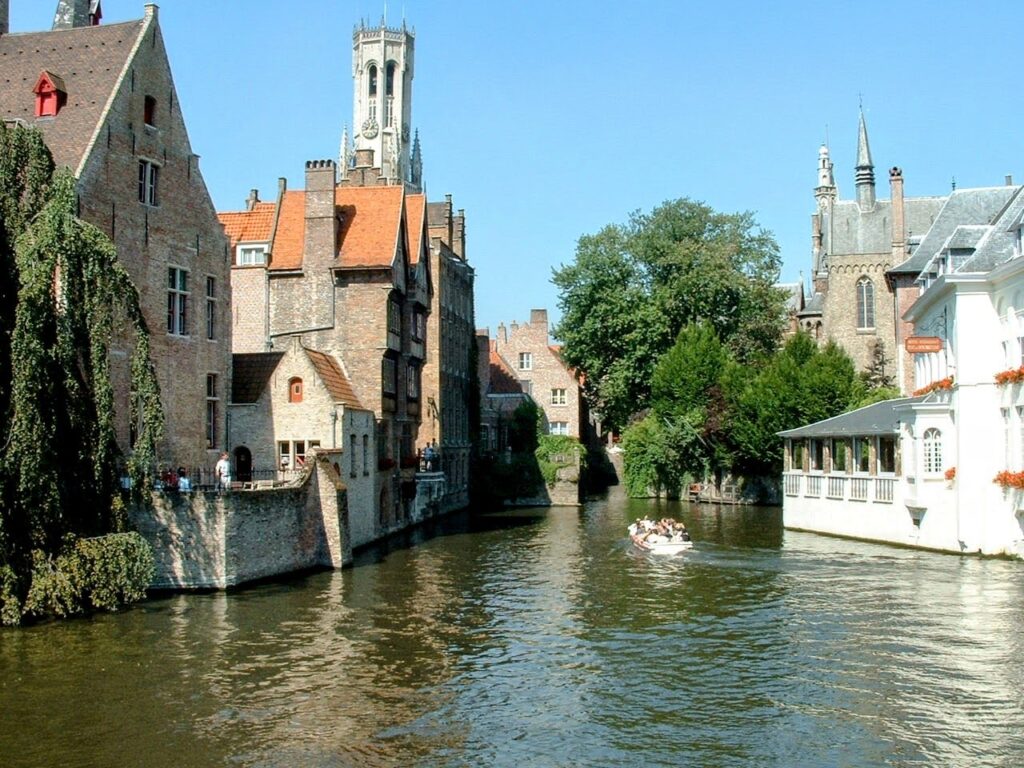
column 840, row 310
column 180, row 231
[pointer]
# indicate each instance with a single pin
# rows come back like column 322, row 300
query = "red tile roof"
column 368, row 236
column 249, row 226
column 89, row 61
column 330, row 373
column 503, row 381
column 415, row 207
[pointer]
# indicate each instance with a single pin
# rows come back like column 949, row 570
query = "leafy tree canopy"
column 633, row 287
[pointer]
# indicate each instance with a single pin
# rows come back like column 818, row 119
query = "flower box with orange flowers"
column 1011, row 376
column 944, row 384
column 951, row 474
column 1009, row 479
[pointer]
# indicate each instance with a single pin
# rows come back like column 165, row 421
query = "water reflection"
column 542, row 637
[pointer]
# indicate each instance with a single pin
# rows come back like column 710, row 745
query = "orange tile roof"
column 503, row 381
column 286, row 250
column 370, row 220
column 330, row 373
column 415, row 206
column 249, row 226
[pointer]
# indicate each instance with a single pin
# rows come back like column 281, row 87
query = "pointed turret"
column 344, row 154
column 417, row 162
column 865, row 171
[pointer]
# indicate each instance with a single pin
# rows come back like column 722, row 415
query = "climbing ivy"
column 59, row 469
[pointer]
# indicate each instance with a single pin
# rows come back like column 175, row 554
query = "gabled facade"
column 284, row 406
column 337, row 273
column 526, row 351
column 104, row 99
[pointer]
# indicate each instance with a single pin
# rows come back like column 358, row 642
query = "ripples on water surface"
column 540, row 638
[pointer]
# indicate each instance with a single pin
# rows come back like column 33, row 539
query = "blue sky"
column 549, row 120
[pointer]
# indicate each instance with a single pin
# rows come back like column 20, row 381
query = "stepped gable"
column 249, row 226
column 89, row 60
column 333, row 377
column 250, row 374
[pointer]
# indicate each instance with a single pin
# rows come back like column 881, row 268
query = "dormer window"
column 51, row 95
column 149, row 111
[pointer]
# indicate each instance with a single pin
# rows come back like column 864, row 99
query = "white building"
column 949, row 483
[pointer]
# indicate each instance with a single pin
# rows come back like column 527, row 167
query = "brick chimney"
column 899, row 227
column 252, row 199
column 459, row 234
column 539, row 317
column 5, row 16
column 362, row 173
column 320, row 246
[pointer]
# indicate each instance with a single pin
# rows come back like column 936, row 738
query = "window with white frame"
column 886, row 455
column 525, row 361
column 558, row 396
column 177, row 301
column 250, row 255
column 559, row 428
column 1007, row 437
column 840, row 455
column 149, row 175
column 932, row 444
column 862, row 454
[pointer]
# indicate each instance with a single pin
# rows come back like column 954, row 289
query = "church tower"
column 382, row 72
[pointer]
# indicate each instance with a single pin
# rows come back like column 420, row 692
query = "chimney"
column 5, row 15
column 362, row 173
column 459, row 234
column 539, row 317
column 448, row 218
column 76, row 13
column 899, row 231
column 252, row 199
column 1009, row 180
column 502, row 336
column 320, row 246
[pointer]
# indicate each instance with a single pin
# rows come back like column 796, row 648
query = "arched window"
column 373, row 79
column 389, row 79
column 295, row 390
column 865, row 303
column 932, row 451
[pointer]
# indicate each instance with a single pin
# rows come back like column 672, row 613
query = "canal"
column 540, row 638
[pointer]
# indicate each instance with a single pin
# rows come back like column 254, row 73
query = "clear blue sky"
column 547, row 120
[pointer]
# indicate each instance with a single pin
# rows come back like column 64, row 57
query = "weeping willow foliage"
column 59, row 469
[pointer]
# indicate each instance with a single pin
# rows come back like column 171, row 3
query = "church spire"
column 865, row 171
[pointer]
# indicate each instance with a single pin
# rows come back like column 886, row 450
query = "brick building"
column 449, row 374
column 333, row 265
column 104, row 99
column 526, row 351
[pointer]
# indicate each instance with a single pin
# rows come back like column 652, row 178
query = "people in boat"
column 664, row 530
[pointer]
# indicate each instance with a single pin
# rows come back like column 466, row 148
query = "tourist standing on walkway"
column 223, row 472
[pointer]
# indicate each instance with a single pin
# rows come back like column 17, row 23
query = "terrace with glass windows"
column 844, row 475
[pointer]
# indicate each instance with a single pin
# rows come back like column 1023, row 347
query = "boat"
column 665, row 537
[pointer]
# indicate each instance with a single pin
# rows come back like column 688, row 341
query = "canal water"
column 541, row 638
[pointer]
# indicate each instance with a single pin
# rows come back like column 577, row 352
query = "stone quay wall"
column 216, row 540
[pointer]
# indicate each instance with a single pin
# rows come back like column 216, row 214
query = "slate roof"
column 333, row 377
column 855, row 231
column 89, row 61
column 998, row 246
column 875, row 419
column 249, row 226
column 794, row 295
column 963, row 206
column 250, row 373
column 814, row 306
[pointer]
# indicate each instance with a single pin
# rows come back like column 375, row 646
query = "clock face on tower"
column 370, row 128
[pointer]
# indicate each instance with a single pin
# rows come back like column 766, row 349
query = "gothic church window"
column 865, row 303
column 373, row 79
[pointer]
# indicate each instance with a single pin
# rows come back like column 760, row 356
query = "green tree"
column 633, row 287
column 59, row 462
column 800, row 385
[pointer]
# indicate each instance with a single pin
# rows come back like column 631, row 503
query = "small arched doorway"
column 243, row 464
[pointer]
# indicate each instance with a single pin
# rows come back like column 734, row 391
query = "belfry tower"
column 382, row 72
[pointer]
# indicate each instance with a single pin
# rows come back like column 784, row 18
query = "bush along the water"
column 555, row 452
column 101, row 573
